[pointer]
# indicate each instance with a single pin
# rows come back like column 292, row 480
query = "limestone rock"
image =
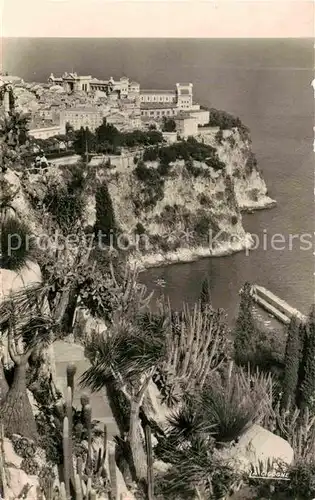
column 258, row 445
column 12, row 281
column 17, row 479
column 10, row 457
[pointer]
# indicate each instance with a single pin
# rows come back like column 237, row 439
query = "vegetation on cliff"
column 170, row 374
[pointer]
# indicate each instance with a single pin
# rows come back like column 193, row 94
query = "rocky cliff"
column 167, row 211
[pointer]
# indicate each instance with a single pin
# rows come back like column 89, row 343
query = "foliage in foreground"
column 16, row 244
column 245, row 328
column 195, row 470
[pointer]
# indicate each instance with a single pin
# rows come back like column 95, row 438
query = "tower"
column 184, row 93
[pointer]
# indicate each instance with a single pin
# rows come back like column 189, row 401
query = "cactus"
column 85, row 400
column 113, row 476
column 88, row 421
column 92, row 495
column 63, row 493
column 83, row 479
column 148, row 442
column 67, row 458
column 78, row 487
column 3, row 479
column 71, row 371
column 69, row 413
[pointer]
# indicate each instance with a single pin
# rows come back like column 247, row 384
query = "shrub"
column 253, row 194
column 193, row 170
column 30, row 466
column 169, row 125
column 202, row 226
column 231, row 140
column 235, row 402
column 224, row 120
column 251, row 163
column 234, row 220
column 163, row 169
column 195, row 468
column 153, row 190
column 150, row 154
column 23, row 447
column 140, row 229
column 105, row 218
column 17, row 246
column 219, row 137
column 302, row 480
column 215, row 163
column 204, row 200
column 66, row 203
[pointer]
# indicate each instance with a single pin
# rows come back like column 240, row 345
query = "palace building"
column 149, row 104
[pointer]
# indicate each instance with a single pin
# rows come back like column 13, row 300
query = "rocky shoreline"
column 185, row 255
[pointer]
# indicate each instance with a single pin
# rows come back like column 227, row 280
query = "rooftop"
column 184, row 92
column 100, row 82
column 83, row 109
column 157, row 105
column 157, row 91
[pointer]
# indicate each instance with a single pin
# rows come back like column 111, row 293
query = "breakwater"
column 271, row 303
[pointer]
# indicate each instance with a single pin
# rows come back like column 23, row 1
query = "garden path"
column 66, row 352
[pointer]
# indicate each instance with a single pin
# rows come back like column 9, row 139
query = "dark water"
column 267, row 84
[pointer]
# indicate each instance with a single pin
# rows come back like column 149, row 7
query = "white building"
column 45, row 132
column 186, row 125
column 81, row 117
column 74, row 82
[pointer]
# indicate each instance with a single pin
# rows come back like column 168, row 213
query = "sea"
column 267, row 83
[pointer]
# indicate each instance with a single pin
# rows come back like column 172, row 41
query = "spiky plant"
column 196, row 473
column 17, row 245
column 235, row 403
column 187, row 423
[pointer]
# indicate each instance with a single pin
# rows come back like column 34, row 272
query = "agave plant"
column 16, row 245
column 235, row 402
column 196, row 473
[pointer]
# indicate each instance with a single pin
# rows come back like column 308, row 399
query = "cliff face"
column 186, row 210
column 200, row 211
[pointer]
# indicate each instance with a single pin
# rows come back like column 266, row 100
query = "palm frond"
column 186, row 424
column 24, row 303
column 126, row 351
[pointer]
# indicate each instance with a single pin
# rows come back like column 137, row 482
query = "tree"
column 84, row 141
column 291, row 364
column 105, row 218
column 205, row 295
column 169, row 125
column 308, row 384
column 24, row 333
column 245, row 329
column 107, row 133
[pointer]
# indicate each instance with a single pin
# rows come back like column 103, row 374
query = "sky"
column 157, row 18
